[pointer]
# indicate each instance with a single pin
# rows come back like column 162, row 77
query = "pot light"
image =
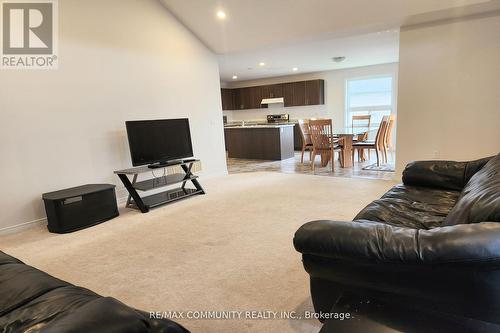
column 338, row 59
column 295, row 69
column 221, row 15
column 262, row 64
column 235, row 77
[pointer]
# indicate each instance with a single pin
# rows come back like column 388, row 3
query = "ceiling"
column 314, row 56
column 308, row 33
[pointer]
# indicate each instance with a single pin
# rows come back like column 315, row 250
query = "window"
column 371, row 96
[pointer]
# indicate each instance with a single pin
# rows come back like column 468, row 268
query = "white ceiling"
column 314, row 56
column 307, row 33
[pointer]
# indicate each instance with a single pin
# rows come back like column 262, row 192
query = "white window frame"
column 368, row 109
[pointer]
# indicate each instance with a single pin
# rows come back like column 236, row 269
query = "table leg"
column 347, row 152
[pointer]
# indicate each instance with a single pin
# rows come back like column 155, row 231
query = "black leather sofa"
column 33, row 301
column 431, row 243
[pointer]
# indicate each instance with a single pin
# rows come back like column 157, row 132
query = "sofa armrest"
column 436, row 174
column 449, row 175
column 367, row 240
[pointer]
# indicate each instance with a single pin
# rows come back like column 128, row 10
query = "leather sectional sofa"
column 430, row 243
column 33, row 301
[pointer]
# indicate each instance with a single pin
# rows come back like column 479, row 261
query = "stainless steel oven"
column 278, row 118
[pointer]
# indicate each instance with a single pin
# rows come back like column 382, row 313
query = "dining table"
column 347, row 135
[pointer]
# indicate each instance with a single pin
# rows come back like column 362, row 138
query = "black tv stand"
column 145, row 203
column 164, row 164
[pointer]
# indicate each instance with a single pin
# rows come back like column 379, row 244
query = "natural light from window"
column 371, row 96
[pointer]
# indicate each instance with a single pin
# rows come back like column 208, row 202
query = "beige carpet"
column 228, row 250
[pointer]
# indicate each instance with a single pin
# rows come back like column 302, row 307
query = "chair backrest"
column 305, row 131
column 388, row 132
column 381, row 132
column 321, row 133
column 363, row 121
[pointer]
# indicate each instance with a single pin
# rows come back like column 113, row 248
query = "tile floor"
column 293, row 165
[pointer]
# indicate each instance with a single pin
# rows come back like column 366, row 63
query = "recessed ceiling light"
column 338, row 59
column 295, row 69
column 235, row 77
column 221, row 15
column 262, row 64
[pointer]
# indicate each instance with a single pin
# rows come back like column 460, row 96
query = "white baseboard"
column 22, row 226
column 120, row 200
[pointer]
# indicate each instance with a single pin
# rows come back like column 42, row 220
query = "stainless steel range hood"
column 279, row 100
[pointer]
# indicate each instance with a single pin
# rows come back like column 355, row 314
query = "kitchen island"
column 260, row 142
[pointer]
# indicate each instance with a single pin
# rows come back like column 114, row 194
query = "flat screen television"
column 159, row 141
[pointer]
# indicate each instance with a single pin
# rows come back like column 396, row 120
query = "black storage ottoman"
column 80, row 207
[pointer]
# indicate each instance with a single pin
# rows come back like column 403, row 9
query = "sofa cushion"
column 411, row 206
column 34, row 301
column 6, row 259
column 77, row 310
column 21, row 284
column 480, row 198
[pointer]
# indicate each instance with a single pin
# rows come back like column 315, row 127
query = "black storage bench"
column 80, row 207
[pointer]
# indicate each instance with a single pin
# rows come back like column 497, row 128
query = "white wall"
column 119, row 60
column 335, row 90
column 449, row 91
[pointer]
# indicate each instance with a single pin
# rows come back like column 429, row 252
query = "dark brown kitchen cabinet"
column 314, row 92
column 298, row 93
column 272, row 91
column 266, row 91
column 304, row 93
column 244, row 99
column 236, row 98
column 228, row 99
column 295, row 93
column 297, row 137
column 288, row 93
column 255, row 97
column 247, row 98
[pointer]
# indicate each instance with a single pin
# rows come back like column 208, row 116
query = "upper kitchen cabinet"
column 228, row 99
column 288, row 93
column 304, row 93
column 243, row 99
column 247, row 98
column 272, row 91
column 298, row 93
column 255, row 97
column 314, row 92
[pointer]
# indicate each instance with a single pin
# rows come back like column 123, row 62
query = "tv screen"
column 163, row 140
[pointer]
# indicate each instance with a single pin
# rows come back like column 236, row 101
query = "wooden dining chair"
column 323, row 142
column 306, row 138
column 388, row 135
column 378, row 145
column 361, row 122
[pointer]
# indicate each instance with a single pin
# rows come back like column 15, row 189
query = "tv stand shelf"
column 146, row 202
column 153, row 183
